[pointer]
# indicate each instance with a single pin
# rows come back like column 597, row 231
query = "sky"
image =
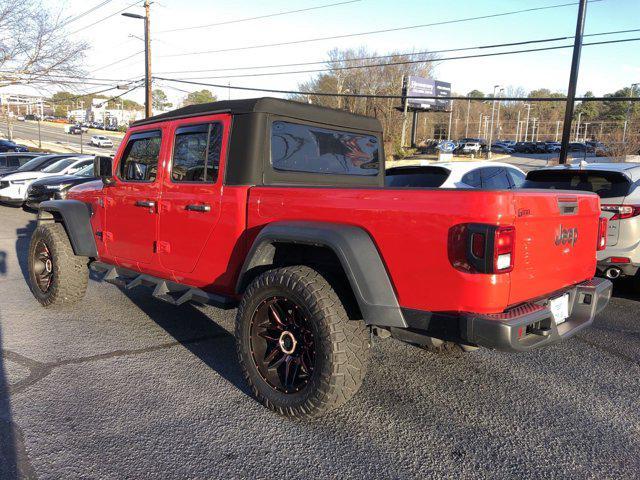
column 603, row 68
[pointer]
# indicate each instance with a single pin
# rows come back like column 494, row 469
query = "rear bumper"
column 532, row 326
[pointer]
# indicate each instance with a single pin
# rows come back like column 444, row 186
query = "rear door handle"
column 145, row 203
column 199, row 208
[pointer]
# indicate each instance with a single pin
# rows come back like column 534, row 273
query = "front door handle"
column 145, row 203
column 199, row 208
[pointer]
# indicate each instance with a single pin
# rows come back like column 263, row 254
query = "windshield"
column 425, row 177
column 85, row 171
column 605, row 184
column 59, row 166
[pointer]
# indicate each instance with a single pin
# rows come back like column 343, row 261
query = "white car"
column 13, row 187
column 471, row 147
column 480, row 174
column 101, row 141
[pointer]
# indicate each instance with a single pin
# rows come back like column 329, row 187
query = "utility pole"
column 557, row 129
column 498, row 115
column 479, row 125
column 39, row 136
column 517, row 139
column 526, row 125
column 573, row 81
column 148, row 101
column 585, row 136
column 493, row 109
column 466, row 127
column 404, row 112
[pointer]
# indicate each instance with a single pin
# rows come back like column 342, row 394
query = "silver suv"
column 617, row 185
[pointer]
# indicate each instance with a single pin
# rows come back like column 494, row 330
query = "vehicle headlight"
column 22, row 181
column 57, row 188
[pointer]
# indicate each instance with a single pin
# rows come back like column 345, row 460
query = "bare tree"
column 355, row 72
column 34, row 46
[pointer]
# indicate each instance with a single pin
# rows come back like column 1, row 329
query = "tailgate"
column 556, row 241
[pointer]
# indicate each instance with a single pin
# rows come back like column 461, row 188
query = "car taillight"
column 621, row 212
column 481, row 248
column 602, row 233
column 505, row 242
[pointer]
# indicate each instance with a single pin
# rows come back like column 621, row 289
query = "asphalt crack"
column 40, row 370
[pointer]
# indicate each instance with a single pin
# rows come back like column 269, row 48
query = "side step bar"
column 165, row 290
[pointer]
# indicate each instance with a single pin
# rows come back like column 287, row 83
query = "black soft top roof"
column 276, row 106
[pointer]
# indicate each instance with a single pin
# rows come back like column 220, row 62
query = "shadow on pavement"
column 3, row 263
column 23, row 237
column 628, row 288
column 196, row 332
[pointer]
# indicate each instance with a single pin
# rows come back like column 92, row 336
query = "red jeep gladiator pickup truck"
column 279, row 209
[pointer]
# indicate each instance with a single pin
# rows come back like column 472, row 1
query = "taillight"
column 602, row 233
column 621, row 212
column 481, row 248
column 505, row 242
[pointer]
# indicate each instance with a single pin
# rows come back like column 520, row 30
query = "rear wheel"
column 299, row 351
column 56, row 275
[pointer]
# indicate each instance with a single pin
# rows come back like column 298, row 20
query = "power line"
column 116, row 13
column 372, row 32
column 400, row 97
column 410, row 62
column 78, row 17
column 376, row 57
column 288, row 12
column 117, row 61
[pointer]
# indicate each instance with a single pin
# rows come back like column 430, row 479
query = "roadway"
column 54, row 137
column 126, row 386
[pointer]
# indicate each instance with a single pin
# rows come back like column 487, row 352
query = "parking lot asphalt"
column 125, row 386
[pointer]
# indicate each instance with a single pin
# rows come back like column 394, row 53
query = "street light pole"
column 493, row 109
column 626, row 122
column 578, row 126
column 147, row 56
column 466, row 127
column 526, row 125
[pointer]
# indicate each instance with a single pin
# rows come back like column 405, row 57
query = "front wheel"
column 56, row 275
column 300, row 353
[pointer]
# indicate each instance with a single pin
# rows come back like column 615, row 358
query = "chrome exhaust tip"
column 613, row 273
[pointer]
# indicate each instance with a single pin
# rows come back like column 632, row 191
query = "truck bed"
column 410, row 228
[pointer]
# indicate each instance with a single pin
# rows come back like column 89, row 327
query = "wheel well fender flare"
column 76, row 219
column 358, row 257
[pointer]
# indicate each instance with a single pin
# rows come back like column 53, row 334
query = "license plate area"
column 560, row 308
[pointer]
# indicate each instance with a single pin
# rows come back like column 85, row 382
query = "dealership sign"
column 416, row 87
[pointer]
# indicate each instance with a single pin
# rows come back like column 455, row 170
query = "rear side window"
column 472, row 179
column 425, row 177
column 196, row 153
column 140, row 158
column 517, row 177
column 605, row 184
column 306, row 148
column 495, row 178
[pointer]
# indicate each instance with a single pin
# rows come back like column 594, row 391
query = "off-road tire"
column 70, row 272
column 342, row 345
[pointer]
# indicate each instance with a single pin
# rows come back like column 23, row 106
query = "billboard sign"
column 426, row 87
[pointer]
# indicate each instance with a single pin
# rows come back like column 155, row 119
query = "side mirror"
column 103, row 169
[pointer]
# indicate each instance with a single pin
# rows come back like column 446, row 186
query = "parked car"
column 311, row 247
column 524, row 147
column 617, row 185
column 501, row 148
column 56, row 187
column 552, row 147
column 10, row 162
column 13, row 187
column 482, row 175
column 9, row 146
column 579, row 147
column 73, row 129
column 20, row 118
column 38, row 163
column 101, row 141
column 471, row 148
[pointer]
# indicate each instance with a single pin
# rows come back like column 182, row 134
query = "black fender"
column 358, row 256
column 76, row 218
